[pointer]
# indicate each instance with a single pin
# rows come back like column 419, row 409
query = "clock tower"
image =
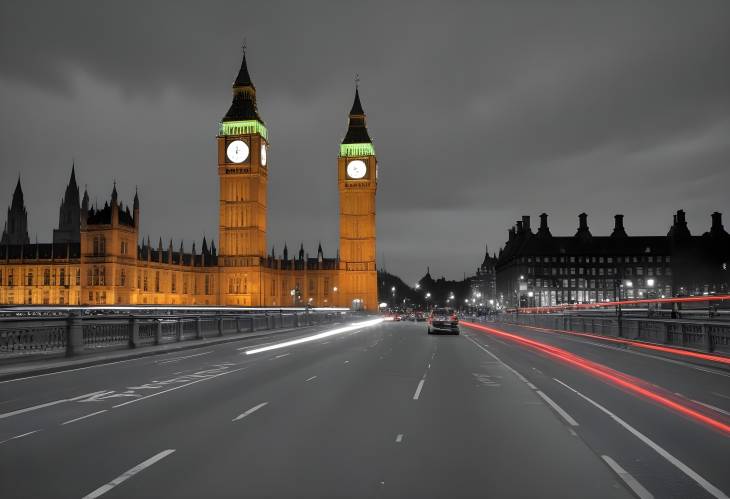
column 243, row 174
column 357, row 174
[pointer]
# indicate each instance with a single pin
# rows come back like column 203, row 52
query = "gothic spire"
column 357, row 132
column 243, row 107
column 136, row 200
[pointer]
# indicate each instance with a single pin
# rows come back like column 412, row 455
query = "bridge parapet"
column 77, row 331
column 708, row 336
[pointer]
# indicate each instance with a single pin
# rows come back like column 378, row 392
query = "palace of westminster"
column 96, row 258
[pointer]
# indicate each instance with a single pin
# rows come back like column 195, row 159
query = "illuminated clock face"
column 356, row 169
column 263, row 154
column 237, row 151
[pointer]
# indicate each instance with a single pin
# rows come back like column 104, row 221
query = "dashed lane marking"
column 250, row 411
column 20, row 436
column 628, row 479
column 83, row 417
column 128, row 474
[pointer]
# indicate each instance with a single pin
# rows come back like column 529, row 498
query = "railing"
column 697, row 335
column 76, row 332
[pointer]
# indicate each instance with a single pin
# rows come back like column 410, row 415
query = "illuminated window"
column 47, row 277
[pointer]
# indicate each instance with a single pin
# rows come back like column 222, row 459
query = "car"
column 443, row 320
column 420, row 317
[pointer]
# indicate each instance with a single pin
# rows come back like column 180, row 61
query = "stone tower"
column 357, row 174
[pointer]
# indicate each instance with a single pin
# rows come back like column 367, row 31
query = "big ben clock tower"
column 243, row 173
column 357, row 173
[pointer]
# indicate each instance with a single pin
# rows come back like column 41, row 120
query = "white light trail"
column 315, row 337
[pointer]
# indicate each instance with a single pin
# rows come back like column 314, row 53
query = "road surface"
column 376, row 411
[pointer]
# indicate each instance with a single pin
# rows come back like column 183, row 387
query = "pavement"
column 383, row 410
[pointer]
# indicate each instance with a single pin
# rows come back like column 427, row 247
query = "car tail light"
column 454, row 318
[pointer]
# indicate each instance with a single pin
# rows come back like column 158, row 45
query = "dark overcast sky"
column 480, row 112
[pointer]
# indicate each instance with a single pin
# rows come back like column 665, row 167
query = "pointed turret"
column 301, row 251
column 357, row 132
column 16, row 227
column 69, row 216
column 243, row 107
column 286, row 252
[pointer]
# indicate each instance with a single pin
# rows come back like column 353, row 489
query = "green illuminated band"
column 243, row 127
column 364, row 149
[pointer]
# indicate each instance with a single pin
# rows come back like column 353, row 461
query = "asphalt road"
column 378, row 411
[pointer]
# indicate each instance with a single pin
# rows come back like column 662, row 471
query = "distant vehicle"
column 420, row 317
column 443, row 320
column 396, row 317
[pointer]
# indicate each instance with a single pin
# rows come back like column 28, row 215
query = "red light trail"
column 607, row 374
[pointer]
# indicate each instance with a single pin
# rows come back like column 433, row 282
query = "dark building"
column 539, row 269
column 16, row 226
column 484, row 282
column 69, row 216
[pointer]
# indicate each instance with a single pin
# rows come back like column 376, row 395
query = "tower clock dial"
column 237, row 151
column 356, row 169
column 263, row 154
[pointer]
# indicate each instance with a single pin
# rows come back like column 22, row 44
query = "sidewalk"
column 40, row 366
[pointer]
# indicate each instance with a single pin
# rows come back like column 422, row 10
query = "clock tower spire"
column 243, row 179
column 357, row 182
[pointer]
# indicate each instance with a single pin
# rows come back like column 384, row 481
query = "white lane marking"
column 282, row 355
column 531, row 385
column 418, row 389
column 318, row 336
column 177, row 359
column 710, row 406
column 568, row 419
column 628, row 479
column 176, row 388
column 572, row 432
column 519, row 376
column 20, row 436
column 69, row 370
column 128, row 474
column 721, row 395
column 711, row 489
column 347, row 362
column 47, row 404
column 83, row 417
column 310, row 379
column 250, row 411
column 429, row 366
column 399, row 438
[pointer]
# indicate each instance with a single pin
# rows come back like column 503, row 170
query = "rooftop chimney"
column 618, row 226
column 583, row 226
column 544, row 230
column 526, row 223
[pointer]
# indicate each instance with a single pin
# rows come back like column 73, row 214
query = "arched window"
column 96, row 245
column 102, row 245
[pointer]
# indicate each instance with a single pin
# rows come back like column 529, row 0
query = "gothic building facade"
column 97, row 257
column 539, row 269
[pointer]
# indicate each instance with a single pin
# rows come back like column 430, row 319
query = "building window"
column 157, row 281
column 173, row 283
column 46, row 277
column 29, row 278
column 102, row 276
column 78, row 277
column 102, row 246
column 144, row 281
column 62, row 277
column 123, row 278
